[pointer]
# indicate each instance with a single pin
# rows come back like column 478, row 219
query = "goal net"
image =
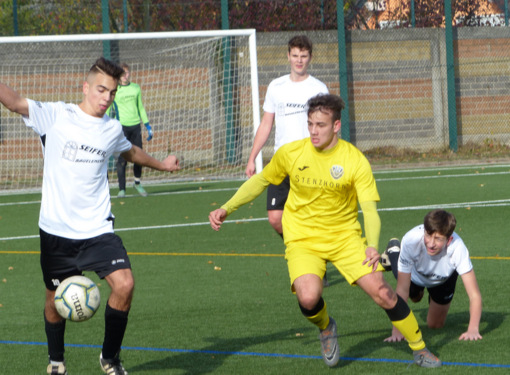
column 200, row 91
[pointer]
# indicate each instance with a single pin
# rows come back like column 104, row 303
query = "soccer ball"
column 77, row 298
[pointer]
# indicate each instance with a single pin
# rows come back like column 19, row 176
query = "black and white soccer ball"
column 77, row 298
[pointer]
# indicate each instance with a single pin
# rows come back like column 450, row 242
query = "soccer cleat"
column 393, row 246
column 121, row 194
column 424, row 358
column 58, row 369
column 112, row 366
column 139, row 188
column 329, row 344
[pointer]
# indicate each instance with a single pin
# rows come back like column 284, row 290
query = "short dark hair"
column 107, row 67
column 302, row 42
column 326, row 102
column 440, row 221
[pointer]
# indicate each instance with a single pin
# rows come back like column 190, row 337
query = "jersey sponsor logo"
column 336, row 171
column 117, row 261
column 318, row 182
column 303, row 168
column 70, row 150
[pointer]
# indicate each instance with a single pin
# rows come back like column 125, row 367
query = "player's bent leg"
column 436, row 317
column 122, row 285
column 275, row 219
column 116, row 318
column 378, row 289
column 400, row 315
column 308, row 291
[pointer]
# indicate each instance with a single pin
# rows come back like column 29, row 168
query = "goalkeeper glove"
column 149, row 130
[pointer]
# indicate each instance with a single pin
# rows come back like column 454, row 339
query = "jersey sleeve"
column 366, row 188
column 122, row 144
column 248, row 191
column 41, row 116
column 276, row 170
column 460, row 256
column 269, row 104
column 409, row 246
column 141, row 109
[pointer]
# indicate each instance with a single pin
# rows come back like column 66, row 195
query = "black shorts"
column 277, row 195
column 441, row 294
column 63, row 257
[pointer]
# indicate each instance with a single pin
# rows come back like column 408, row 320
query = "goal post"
column 199, row 88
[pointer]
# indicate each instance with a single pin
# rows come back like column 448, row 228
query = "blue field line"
column 256, row 354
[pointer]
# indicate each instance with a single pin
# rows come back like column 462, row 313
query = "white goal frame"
column 201, row 173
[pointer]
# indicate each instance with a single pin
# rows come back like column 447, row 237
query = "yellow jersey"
column 325, row 188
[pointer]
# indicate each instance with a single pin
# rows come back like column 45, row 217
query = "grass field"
column 220, row 303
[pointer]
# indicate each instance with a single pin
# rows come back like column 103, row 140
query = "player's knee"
column 310, row 305
column 275, row 219
column 124, row 287
column 435, row 324
column 418, row 297
column 385, row 297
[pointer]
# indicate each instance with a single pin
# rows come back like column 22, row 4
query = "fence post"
column 15, row 17
column 450, row 76
column 106, row 28
column 506, row 12
column 413, row 16
column 124, row 9
column 342, row 70
column 230, row 135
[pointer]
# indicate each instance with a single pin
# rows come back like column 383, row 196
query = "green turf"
column 208, row 302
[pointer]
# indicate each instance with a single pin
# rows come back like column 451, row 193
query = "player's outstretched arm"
column 217, row 217
column 372, row 232
column 13, row 101
column 138, row 156
column 475, row 307
column 261, row 137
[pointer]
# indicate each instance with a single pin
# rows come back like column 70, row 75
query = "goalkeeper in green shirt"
column 128, row 109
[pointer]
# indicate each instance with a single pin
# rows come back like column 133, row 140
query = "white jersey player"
column 432, row 256
column 285, row 106
column 75, row 221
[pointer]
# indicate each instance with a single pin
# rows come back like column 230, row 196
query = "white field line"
column 233, row 189
column 476, row 204
column 494, row 203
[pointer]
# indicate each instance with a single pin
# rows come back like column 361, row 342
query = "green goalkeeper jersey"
column 128, row 107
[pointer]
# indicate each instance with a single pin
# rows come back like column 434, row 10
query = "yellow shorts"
column 346, row 254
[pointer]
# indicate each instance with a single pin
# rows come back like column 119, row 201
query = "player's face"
column 99, row 91
column 435, row 243
column 323, row 130
column 299, row 60
column 124, row 79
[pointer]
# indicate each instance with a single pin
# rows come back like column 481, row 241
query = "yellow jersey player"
column 328, row 178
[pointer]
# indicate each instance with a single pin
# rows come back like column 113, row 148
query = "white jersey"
column 430, row 271
column 287, row 100
column 77, row 147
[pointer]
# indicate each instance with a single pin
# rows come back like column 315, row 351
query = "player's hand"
column 372, row 259
column 171, row 163
column 149, row 131
column 470, row 336
column 396, row 336
column 217, row 217
column 250, row 169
